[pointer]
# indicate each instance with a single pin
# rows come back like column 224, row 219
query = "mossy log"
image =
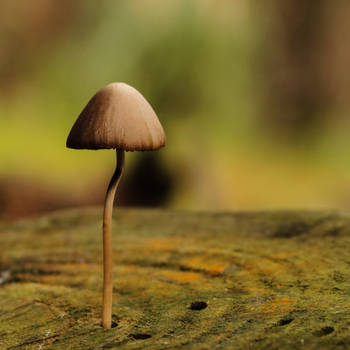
column 269, row 280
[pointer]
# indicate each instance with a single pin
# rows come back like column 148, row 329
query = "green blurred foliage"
column 199, row 63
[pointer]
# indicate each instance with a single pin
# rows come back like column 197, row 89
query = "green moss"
column 274, row 280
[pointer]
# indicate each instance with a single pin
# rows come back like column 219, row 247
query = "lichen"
column 276, row 280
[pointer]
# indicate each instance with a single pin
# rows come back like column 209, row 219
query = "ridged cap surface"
column 117, row 116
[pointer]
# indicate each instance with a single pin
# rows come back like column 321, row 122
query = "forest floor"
column 255, row 280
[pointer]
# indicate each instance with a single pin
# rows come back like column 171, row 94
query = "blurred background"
column 254, row 98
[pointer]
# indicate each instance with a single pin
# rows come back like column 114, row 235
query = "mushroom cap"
column 117, row 116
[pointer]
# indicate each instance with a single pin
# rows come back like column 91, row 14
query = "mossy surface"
column 268, row 280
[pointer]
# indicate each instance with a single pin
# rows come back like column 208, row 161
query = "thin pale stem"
column 107, row 242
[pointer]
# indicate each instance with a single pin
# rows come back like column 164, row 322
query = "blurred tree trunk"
column 295, row 94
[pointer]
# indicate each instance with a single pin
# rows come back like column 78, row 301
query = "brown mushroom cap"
column 118, row 116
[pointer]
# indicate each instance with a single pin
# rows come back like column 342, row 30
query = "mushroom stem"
column 107, row 242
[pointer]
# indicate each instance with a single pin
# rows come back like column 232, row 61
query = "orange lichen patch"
column 285, row 301
column 49, row 279
column 182, row 276
column 277, row 305
column 213, row 266
column 263, row 266
column 283, row 255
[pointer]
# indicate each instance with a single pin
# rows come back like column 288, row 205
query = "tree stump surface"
column 265, row 280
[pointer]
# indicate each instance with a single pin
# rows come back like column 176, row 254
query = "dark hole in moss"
column 324, row 331
column 140, row 336
column 198, row 305
column 285, row 321
column 114, row 324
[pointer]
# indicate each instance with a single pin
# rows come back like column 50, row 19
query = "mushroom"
column 117, row 117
